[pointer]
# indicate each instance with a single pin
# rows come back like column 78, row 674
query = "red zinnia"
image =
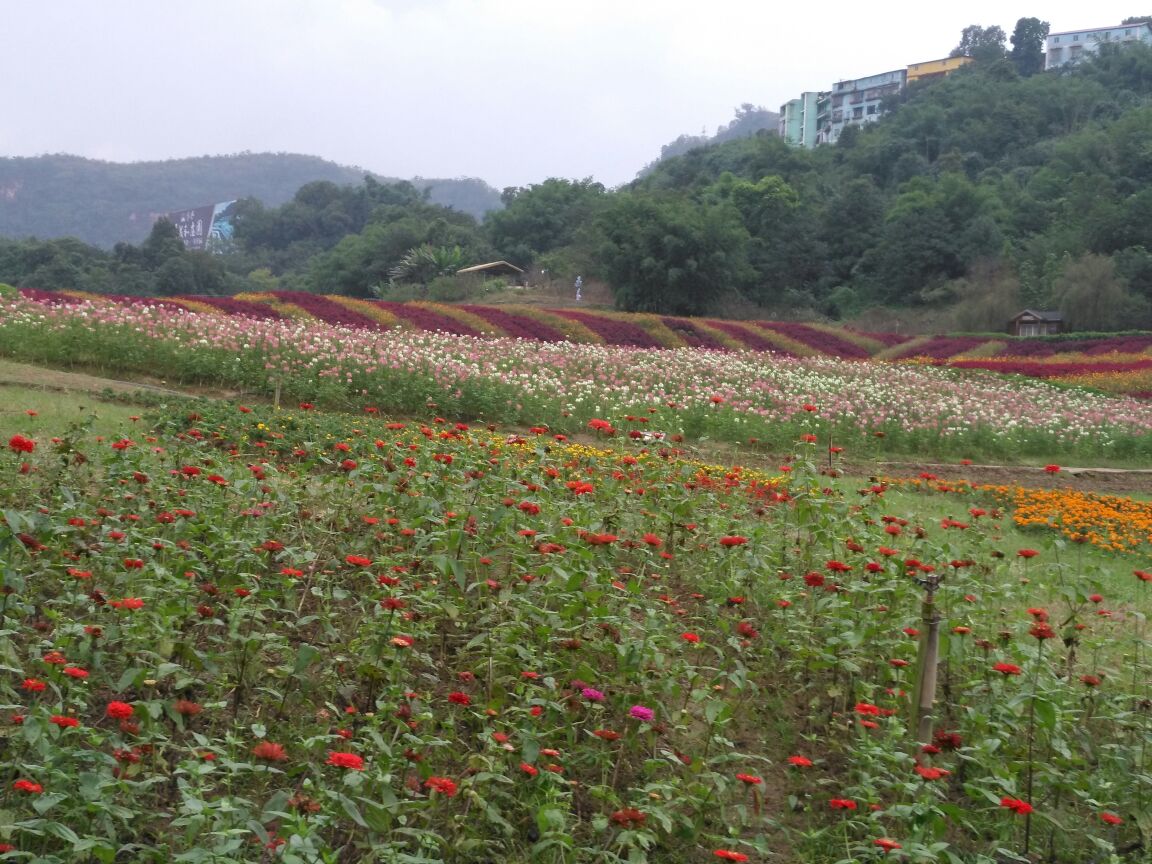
column 20, row 444
column 800, row 761
column 733, row 540
column 750, row 779
column 1111, row 819
column 886, row 844
column 729, row 855
column 1006, row 669
column 345, row 760
column 1027, row 553
column 460, row 698
column 119, row 710
column 28, row 786
column 270, row 751
column 1016, row 805
column 443, row 785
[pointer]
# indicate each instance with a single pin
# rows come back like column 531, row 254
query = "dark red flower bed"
column 426, row 319
column 517, row 326
column 940, row 347
column 692, row 335
column 888, row 340
column 821, row 340
column 50, row 298
column 1092, row 347
column 232, row 306
column 1035, row 369
column 747, row 337
column 323, row 309
column 613, row 330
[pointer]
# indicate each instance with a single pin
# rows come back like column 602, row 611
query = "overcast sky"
column 511, row 91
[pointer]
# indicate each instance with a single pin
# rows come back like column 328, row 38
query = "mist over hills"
column 104, row 203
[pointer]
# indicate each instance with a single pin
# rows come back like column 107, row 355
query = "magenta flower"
column 641, row 713
column 592, row 695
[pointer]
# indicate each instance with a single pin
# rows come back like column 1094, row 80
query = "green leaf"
column 304, row 657
column 44, row 803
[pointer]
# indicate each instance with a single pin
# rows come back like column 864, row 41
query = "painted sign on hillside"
column 208, row 228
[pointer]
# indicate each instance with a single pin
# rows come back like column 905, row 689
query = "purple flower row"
column 822, row 341
column 614, row 331
column 517, row 326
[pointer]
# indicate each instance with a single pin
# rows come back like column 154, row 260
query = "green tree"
column 541, row 218
column 668, row 255
column 1027, row 53
column 982, row 44
column 1093, row 296
column 163, row 244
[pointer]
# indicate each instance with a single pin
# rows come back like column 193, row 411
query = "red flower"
column 34, row 685
column 530, row 770
column 929, row 773
column 1052, row 469
column 886, row 844
column 629, row 817
column 460, row 698
column 1111, row 819
column 345, row 760
column 842, row 804
column 1016, row 805
column 28, row 786
column 270, row 751
column 800, row 761
column 20, row 444
column 733, row 540
column 1027, row 553
column 1041, row 630
column 1006, row 669
column 1090, row 680
column 750, row 779
column 607, row 735
column 690, row 637
column 119, row 710
column 358, row 560
column 729, row 855
column 443, row 785
column 64, row 722
column 1142, row 575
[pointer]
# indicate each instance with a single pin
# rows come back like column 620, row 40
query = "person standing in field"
column 579, row 286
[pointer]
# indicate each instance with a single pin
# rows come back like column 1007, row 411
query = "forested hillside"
column 104, row 203
column 998, row 188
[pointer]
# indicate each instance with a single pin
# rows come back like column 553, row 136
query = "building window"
column 1076, row 38
column 871, row 109
column 857, row 113
column 1055, row 38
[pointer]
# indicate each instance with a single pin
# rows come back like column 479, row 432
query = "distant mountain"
column 104, row 203
column 749, row 120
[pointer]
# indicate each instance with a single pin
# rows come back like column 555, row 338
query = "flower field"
column 763, row 399
column 237, row 634
column 1121, row 364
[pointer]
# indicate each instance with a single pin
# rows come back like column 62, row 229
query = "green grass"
column 56, row 410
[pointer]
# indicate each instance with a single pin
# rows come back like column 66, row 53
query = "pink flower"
column 639, row 712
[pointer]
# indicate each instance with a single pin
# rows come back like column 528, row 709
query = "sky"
column 510, row 91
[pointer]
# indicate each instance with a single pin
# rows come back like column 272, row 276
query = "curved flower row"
column 695, row 392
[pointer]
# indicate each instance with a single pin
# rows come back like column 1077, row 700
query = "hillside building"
column 798, row 120
column 857, row 102
column 932, row 69
column 1063, row 49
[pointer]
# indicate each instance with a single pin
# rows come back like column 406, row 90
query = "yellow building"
column 930, row 69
